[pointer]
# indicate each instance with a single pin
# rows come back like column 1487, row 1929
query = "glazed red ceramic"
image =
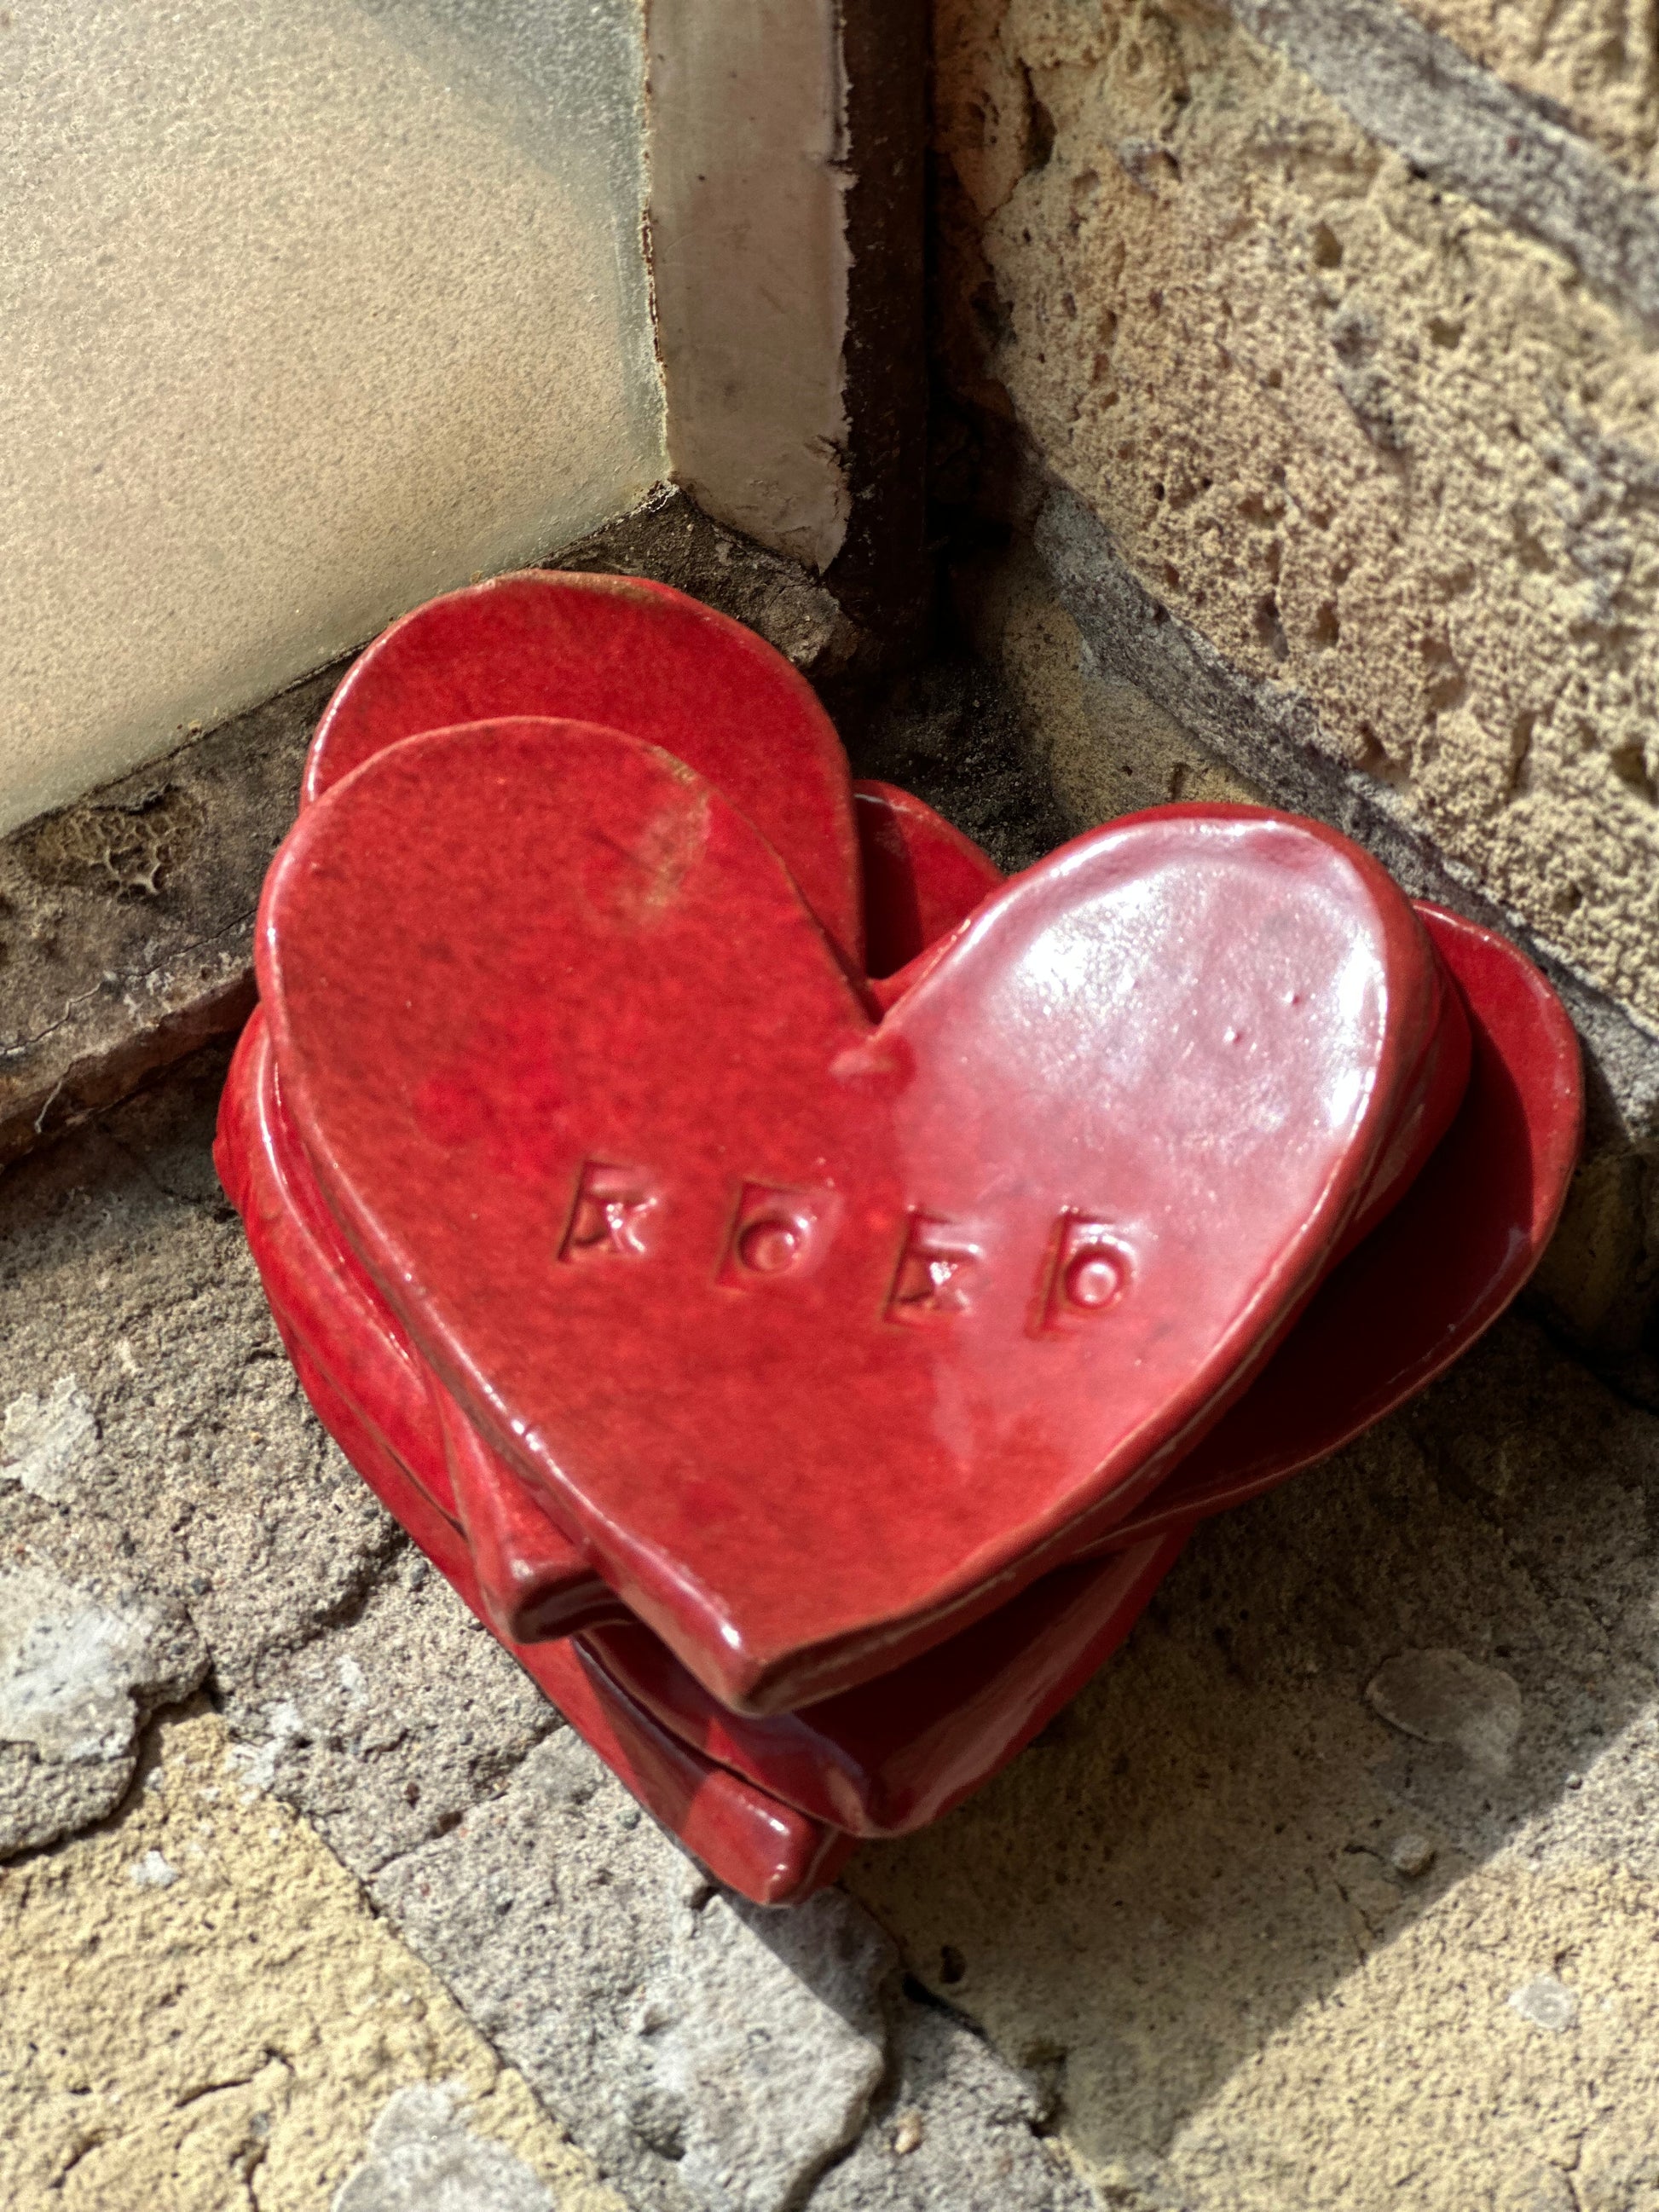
column 876, row 1760
column 898, row 1751
column 823, row 1337
column 891, row 1765
column 312, row 1277
column 533, row 1582
column 1438, row 1271
column 932, row 854
column 922, row 875
column 635, row 656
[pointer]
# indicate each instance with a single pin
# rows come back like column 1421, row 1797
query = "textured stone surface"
column 1446, row 1697
column 92, row 1643
column 709, row 2055
column 125, row 921
column 1104, row 744
column 198, row 2012
column 1263, row 1942
column 389, row 1727
column 424, row 2157
column 122, row 1263
column 953, row 2126
column 1390, row 460
column 1463, row 128
column 1594, row 64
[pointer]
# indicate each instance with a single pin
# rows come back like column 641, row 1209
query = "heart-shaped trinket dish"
column 691, row 1232
column 800, row 1288
column 901, row 1751
column 893, row 1755
column 628, row 654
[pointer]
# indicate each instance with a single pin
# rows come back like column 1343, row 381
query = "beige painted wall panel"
column 306, row 313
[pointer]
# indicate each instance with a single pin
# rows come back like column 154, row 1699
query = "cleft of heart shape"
column 822, row 1332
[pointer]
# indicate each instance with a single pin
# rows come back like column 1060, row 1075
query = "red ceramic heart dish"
column 899, row 1753
column 761, row 1846
column 1447, row 1261
column 875, row 1761
column 922, row 875
column 635, row 656
column 686, row 1232
column 1439, row 1270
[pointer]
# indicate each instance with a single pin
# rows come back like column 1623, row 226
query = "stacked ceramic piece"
column 801, row 1290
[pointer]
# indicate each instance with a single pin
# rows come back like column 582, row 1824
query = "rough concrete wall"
column 1595, row 63
column 1314, row 346
column 1376, row 446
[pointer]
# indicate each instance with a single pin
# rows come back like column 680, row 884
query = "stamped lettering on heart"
column 822, row 1333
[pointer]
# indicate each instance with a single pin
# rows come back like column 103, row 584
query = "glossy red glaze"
column 533, row 1584
column 635, row 656
column 876, row 1760
column 746, row 1839
column 318, row 1287
column 930, row 851
column 922, row 875
column 313, row 1279
column 1427, row 1108
column 899, row 1751
column 1438, row 1271
column 1029, row 1234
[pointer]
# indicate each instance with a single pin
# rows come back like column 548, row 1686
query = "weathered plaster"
column 1393, row 462
column 197, row 2011
column 1595, row 63
column 310, row 314
column 1461, row 126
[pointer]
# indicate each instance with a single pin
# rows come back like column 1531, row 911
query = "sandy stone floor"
column 200, row 2009
column 1337, row 1892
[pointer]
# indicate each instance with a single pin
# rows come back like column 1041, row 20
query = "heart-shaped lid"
column 823, row 1336
column 636, row 656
